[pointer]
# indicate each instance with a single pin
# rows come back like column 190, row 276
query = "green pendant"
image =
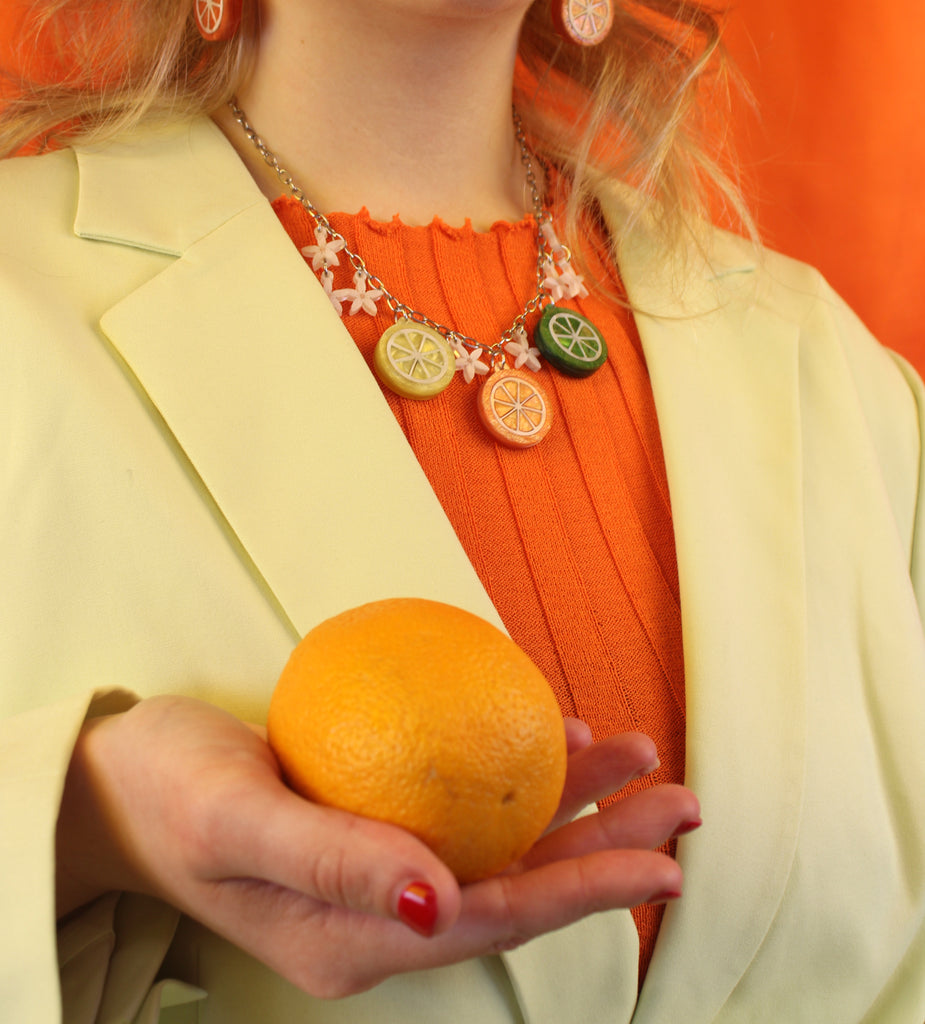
column 570, row 341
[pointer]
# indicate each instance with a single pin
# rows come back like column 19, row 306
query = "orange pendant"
column 514, row 408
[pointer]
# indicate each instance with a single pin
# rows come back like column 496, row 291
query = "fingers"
column 509, row 910
column 324, row 916
column 562, row 892
column 642, row 821
column 596, row 771
column 332, row 952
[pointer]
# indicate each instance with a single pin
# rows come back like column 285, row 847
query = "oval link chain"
column 399, row 309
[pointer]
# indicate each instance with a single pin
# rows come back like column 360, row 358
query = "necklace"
column 416, row 357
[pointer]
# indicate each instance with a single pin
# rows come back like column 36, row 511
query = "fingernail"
column 687, row 826
column 665, row 896
column 648, row 771
column 417, row 907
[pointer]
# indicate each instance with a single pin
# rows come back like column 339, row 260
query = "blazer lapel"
column 239, row 352
column 724, row 370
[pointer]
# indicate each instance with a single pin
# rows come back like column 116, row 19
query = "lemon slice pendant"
column 514, row 409
column 570, row 342
column 413, row 360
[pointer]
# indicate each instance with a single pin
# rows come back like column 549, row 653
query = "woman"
column 202, row 465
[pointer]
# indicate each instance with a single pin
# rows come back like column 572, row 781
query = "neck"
column 366, row 106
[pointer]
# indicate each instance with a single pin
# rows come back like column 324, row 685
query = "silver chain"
column 399, row 309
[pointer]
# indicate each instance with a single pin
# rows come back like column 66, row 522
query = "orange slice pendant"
column 514, row 409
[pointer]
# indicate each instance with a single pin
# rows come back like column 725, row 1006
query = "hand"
column 181, row 800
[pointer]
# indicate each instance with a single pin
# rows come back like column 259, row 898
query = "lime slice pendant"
column 570, row 341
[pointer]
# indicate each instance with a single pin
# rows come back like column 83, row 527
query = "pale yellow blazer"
column 197, row 467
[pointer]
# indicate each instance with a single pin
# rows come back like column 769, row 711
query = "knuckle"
column 333, row 875
column 329, row 874
column 512, row 935
column 593, row 899
column 213, row 823
column 202, row 834
column 507, row 898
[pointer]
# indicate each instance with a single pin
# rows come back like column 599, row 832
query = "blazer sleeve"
column 892, row 396
column 35, row 748
column 99, row 964
column 917, row 554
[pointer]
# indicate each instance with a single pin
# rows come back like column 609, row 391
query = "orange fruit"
column 426, row 716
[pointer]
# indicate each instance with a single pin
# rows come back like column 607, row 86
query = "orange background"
column 836, row 154
column 834, row 157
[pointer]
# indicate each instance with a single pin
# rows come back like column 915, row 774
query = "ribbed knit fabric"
column 573, row 538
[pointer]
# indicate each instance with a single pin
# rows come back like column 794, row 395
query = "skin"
column 424, row 129
column 312, row 891
column 419, row 125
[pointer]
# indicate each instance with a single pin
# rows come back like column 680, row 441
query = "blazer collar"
column 280, row 423
column 197, row 186
column 724, row 367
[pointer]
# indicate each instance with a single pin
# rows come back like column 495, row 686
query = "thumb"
column 339, row 859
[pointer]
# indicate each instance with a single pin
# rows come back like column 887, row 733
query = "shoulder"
column 829, row 333
column 160, row 188
column 24, row 172
column 750, row 307
column 729, row 286
column 836, row 349
column 840, row 366
column 38, row 199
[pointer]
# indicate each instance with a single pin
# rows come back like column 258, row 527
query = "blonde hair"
column 632, row 108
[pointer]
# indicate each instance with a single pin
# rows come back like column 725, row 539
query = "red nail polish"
column 417, row 907
column 688, row 826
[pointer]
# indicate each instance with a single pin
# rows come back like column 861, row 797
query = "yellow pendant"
column 413, row 360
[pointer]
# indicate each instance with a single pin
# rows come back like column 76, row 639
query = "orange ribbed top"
column 573, row 538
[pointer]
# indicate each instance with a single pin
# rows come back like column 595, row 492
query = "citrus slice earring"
column 217, row 20
column 585, row 22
